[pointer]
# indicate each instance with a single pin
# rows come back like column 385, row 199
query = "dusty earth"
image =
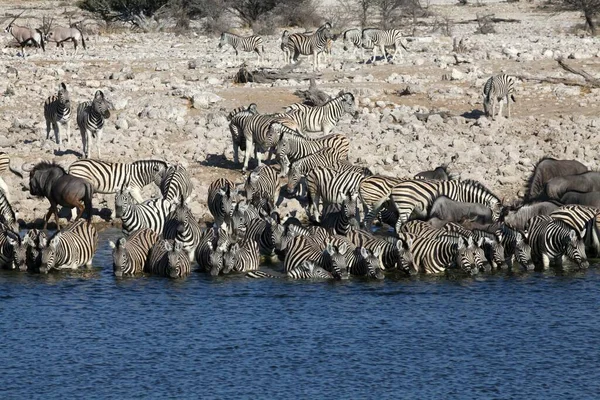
column 167, row 110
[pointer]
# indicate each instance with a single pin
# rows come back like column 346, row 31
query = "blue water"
column 86, row 334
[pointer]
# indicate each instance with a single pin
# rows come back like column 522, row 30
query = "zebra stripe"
column 247, row 44
column 394, row 253
column 414, row 197
column 374, row 191
column 151, row 214
column 90, row 120
column 382, row 39
column 327, row 184
column 332, row 258
column 324, row 118
column 130, row 254
column 262, row 183
column 551, row 239
column 307, row 44
column 57, row 112
column 308, row 270
column 352, row 38
column 210, row 250
column 167, row 258
column 496, row 89
column 490, row 243
column 10, row 243
column 434, row 256
column 237, row 137
column 242, row 214
column 109, row 178
column 176, row 185
column 340, row 217
column 242, row 257
column 182, row 226
column 368, row 263
column 220, row 199
column 8, row 216
column 5, row 166
column 35, row 240
column 70, row 248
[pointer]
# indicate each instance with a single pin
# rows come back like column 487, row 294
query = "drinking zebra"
column 221, row 194
column 108, row 178
column 374, row 192
column 434, row 256
column 262, row 183
column 151, row 214
column 35, row 240
column 8, row 216
column 57, row 112
column 247, row 44
column 394, row 253
column 242, row 256
column 414, row 197
column 130, row 254
column 579, row 217
column 382, row 39
column 70, row 248
column 306, row 270
column 182, row 226
column 551, row 239
column 490, row 243
column 324, row 118
column 167, row 258
column 332, row 258
column 307, row 44
column 9, row 245
column 176, row 185
column 5, row 166
column 495, row 89
column 90, row 120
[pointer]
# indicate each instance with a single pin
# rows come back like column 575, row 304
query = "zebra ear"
column 54, row 242
column 43, row 241
column 307, row 265
column 99, row 95
column 518, row 237
column 112, row 244
column 168, row 246
column 573, row 236
column 254, row 175
column 364, row 252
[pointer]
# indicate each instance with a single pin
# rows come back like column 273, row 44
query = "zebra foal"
column 90, row 120
column 496, row 89
column 57, row 112
column 250, row 43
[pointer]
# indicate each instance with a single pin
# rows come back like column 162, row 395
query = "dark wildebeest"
column 51, row 181
column 455, row 211
column 591, row 199
column 546, row 169
column 518, row 218
column 583, row 183
column 440, row 173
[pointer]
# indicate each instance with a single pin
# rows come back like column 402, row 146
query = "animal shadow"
column 219, row 160
column 475, row 114
column 66, row 152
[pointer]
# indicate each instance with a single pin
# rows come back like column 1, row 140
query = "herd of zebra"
column 320, row 42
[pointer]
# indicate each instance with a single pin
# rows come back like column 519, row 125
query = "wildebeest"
column 546, row 169
column 440, row 173
column 50, row 180
column 591, row 199
column 584, row 183
column 455, row 211
column 518, row 218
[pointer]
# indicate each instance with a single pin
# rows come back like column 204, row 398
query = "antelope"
column 25, row 35
column 60, row 35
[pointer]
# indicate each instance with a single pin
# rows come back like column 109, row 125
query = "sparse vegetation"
column 590, row 10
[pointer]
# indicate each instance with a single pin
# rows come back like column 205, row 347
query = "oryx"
column 25, row 35
column 60, row 35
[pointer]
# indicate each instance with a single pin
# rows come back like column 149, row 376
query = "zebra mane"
column 45, row 165
column 479, row 185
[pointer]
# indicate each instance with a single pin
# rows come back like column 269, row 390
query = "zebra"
column 495, row 90
column 490, row 243
column 57, row 112
column 168, row 258
column 70, row 248
column 340, row 218
column 394, row 253
column 307, row 44
column 434, row 256
column 181, row 225
column 34, row 241
column 237, row 138
column 150, row 214
column 242, row 256
column 176, row 185
column 292, row 147
column 243, row 212
column 248, row 44
column 332, row 258
column 8, row 216
column 5, row 166
column 263, row 182
column 552, row 239
column 579, row 217
column 287, row 52
column 9, row 243
column 326, row 184
column 324, row 118
column 368, row 263
column 130, row 254
column 352, row 38
column 421, row 229
column 306, row 270
column 221, row 194
column 90, row 120
column 416, row 196
column 382, row 39
column 251, row 109
column 108, row 178
column 374, row 192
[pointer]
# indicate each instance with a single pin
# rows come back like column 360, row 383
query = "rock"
column 456, row 75
column 204, row 99
column 435, row 119
column 121, row 123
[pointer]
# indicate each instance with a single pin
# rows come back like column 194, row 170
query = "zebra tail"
column 14, row 171
column 512, row 96
column 89, row 192
column 41, row 39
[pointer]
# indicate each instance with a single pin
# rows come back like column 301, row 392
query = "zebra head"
column 123, row 201
column 226, row 199
column 49, row 255
column 494, row 252
column 121, row 258
column 348, row 103
column 101, row 105
column 523, row 251
column 349, row 203
column 231, row 257
column 467, row 257
column 216, row 260
column 222, row 40
column 372, row 263
column 294, row 177
column 403, row 254
column 575, row 248
column 176, row 259
column 181, row 216
column 19, row 252
column 337, row 259
column 314, row 271
column 63, row 94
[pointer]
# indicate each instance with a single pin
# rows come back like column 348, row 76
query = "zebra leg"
column 500, row 105
column 98, row 137
column 249, row 150
column 236, row 155
column 83, row 140
column 48, row 123
column 56, row 130
column 545, row 261
column 68, row 124
column 508, row 106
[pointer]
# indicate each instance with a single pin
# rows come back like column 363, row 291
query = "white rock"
column 204, row 99
column 456, row 75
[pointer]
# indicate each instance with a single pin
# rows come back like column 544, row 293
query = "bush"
column 590, row 10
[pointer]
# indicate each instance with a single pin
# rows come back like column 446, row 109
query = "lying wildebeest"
column 518, row 218
column 440, row 173
column 51, row 181
column 455, row 211
column 591, row 199
column 583, row 183
column 546, row 169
